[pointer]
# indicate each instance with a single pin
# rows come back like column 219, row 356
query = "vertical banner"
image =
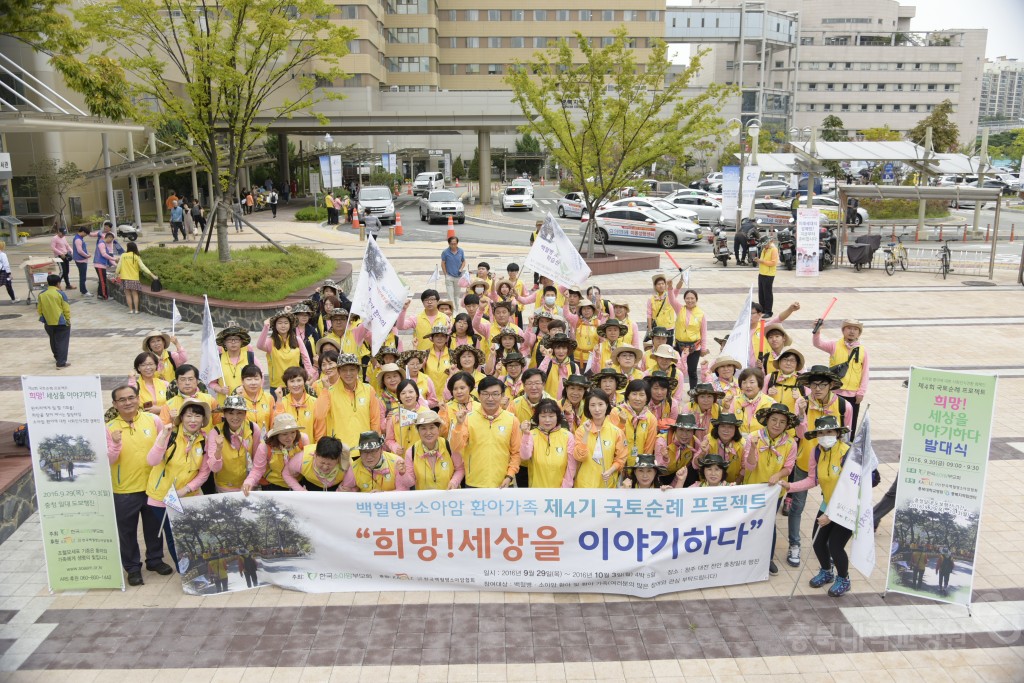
column 325, row 170
column 751, row 177
column 808, row 222
column 941, row 486
column 337, row 171
column 72, row 477
column 553, row 255
column 850, row 503
column 447, row 167
column 379, row 294
column 730, row 192
column 738, row 346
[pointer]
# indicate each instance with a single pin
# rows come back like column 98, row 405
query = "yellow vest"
column 436, row 368
column 231, row 377
column 487, row 453
column 424, row 382
column 131, row 471
column 303, row 414
column 350, row 412
column 638, row 435
column 552, row 385
column 380, row 479
column 424, row 326
column 522, row 408
column 586, row 339
column 851, row 381
column 165, row 368
column 176, row 401
column 769, row 254
column 676, row 460
column 688, row 324
column 732, row 452
column 260, row 409
column 433, row 477
column 278, row 459
column 180, row 466
column 588, row 472
column 830, row 466
column 279, row 360
column 662, row 312
column 749, row 415
column 313, row 479
column 628, row 337
column 405, row 436
column 813, row 413
column 346, row 343
column 550, row 458
column 769, row 460
column 237, row 461
column 147, row 400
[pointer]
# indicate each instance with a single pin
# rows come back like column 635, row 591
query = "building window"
column 863, row 107
column 540, row 15
column 948, row 87
column 951, row 66
column 408, row 35
column 830, row 87
column 831, row 66
column 408, row 64
column 495, row 69
column 472, row 15
column 584, row 15
column 606, row 41
column 472, row 69
column 917, row 67
column 562, row 15
column 517, row 42
column 494, row 15
column 608, row 15
column 848, row 66
column 629, row 15
column 518, row 15
column 452, row 41
column 449, row 14
column 26, row 194
column 827, row 107
column 494, row 41
column 653, row 15
column 864, row 86
column 880, row 87
column 897, row 107
column 878, row 107
column 931, row 87
column 846, row 86
column 540, row 41
column 934, row 66
column 844, row 107
column 411, row 6
column 472, row 42
column 807, row 41
column 899, row 66
column 811, row 107
column 913, row 107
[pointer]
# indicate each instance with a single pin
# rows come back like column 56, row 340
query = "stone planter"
column 249, row 315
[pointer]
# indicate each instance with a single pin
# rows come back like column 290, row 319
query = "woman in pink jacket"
column 62, row 249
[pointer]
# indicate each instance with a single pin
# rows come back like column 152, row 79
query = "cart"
column 36, row 271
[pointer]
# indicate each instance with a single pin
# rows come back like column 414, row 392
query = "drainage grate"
column 979, row 283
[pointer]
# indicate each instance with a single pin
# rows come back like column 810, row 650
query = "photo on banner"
column 639, row 543
column 943, row 461
column 72, row 480
column 808, row 225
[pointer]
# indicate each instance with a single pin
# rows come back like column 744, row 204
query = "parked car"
column 771, row 188
column 439, row 205
column 660, row 188
column 425, row 182
column 835, row 211
column 714, row 178
column 571, row 205
column 671, row 209
column 693, row 192
column 524, row 182
column 516, row 197
column 709, row 211
column 380, row 202
column 1012, row 180
column 644, row 225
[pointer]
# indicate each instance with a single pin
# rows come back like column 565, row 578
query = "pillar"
column 195, row 183
column 134, row 180
column 156, row 185
column 109, row 180
column 284, row 172
column 483, row 141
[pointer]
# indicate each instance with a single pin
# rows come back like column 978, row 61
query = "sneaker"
column 787, row 503
column 822, row 577
column 839, row 587
column 87, row 294
column 773, row 569
column 163, row 569
column 794, row 556
column 135, row 578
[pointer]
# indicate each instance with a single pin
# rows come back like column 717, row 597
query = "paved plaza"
column 752, row 632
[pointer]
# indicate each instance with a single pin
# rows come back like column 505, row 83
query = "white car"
column 709, row 211
column 571, row 205
column 692, row 192
column 516, row 197
column 523, row 182
column 440, row 204
column 1011, row 179
column 771, row 188
column 379, row 201
column 643, row 225
column 427, row 181
column 835, row 211
column 682, row 213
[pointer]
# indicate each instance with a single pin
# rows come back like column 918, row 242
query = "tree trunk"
column 221, row 219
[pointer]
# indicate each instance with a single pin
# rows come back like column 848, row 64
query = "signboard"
column 808, row 223
column 314, row 183
column 943, row 461
column 325, row 169
column 435, row 152
column 730, row 192
column 751, row 176
column 641, row 543
column 119, row 209
column 447, row 167
column 72, row 478
column 888, row 174
column 6, row 170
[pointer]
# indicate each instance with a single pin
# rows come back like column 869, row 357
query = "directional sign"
column 888, row 175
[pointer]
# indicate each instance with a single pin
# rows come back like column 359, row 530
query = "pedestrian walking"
column 767, row 262
column 453, row 262
column 81, row 256
column 272, row 201
column 128, row 269
column 372, row 223
column 62, row 250
column 177, row 221
column 5, row 272
column 188, row 225
column 238, row 210
column 55, row 314
column 103, row 260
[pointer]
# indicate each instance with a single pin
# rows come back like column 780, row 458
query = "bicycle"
column 896, row 253
column 944, row 256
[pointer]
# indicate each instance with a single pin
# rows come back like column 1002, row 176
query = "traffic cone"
column 355, row 220
column 398, row 224
column 451, row 228
column 408, row 189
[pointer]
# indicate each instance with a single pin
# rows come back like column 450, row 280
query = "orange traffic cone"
column 355, row 220
column 451, row 228
column 398, row 224
column 408, row 188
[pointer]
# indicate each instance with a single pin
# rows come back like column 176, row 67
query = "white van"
column 425, row 182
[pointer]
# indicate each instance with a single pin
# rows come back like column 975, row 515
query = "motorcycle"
column 787, row 247
column 721, row 250
column 827, row 242
column 754, row 240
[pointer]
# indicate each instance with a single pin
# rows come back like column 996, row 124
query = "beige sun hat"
column 283, row 422
column 194, row 402
column 152, row 335
column 666, row 351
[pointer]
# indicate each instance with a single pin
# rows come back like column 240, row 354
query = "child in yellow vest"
column 660, row 312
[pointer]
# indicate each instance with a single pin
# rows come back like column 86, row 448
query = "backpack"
column 21, row 436
column 197, row 212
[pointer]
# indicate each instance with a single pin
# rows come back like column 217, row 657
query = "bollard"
column 917, row 233
column 1013, row 226
column 940, row 233
column 965, row 234
column 391, row 234
column 987, row 229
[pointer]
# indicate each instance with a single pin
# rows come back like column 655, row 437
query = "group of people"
column 504, row 386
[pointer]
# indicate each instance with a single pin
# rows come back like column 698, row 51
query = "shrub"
column 898, row 209
column 312, row 213
column 255, row 274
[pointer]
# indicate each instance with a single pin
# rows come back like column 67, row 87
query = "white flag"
column 406, row 417
column 738, row 345
column 434, row 280
column 554, row 255
column 850, row 504
column 379, row 295
column 175, row 316
column 172, row 501
column 686, row 278
column 209, row 362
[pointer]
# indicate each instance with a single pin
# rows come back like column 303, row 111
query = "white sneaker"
column 794, row 556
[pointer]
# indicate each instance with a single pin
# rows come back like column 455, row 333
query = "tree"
column 459, row 167
column 731, row 152
column 881, row 134
column 527, row 144
column 945, row 133
column 603, row 118
column 833, row 130
column 473, row 173
column 225, row 72
column 55, row 179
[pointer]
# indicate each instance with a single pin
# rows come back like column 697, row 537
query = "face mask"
column 827, row 442
column 549, row 300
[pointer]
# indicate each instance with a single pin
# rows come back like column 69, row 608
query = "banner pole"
column 799, row 575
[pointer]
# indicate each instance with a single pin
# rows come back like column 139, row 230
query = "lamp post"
column 330, row 165
column 753, row 129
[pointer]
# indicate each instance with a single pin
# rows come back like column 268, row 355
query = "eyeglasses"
column 491, row 394
column 819, row 385
column 125, row 399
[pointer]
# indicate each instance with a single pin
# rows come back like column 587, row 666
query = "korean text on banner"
column 325, row 169
column 751, row 177
column 941, row 485
column 850, row 504
column 72, row 478
column 738, row 346
column 730, row 192
column 808, row 223
column 641, row 543
column 209, row 362
column 379, row 294
column 554, row 255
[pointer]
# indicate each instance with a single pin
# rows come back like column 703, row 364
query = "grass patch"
column 895, row 209
column 255, row 274
column 311, row 213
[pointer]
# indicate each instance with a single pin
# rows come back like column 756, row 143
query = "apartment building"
column 1002, row 89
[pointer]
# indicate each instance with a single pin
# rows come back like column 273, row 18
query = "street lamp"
column 753, row 129
column 330, row 165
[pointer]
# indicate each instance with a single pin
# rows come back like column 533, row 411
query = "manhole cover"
column 979, row 283
column 10, row 316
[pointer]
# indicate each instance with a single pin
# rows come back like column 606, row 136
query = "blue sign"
column 888, row 175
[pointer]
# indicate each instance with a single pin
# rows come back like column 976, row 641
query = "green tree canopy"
column 604, row 117
column 945, row 133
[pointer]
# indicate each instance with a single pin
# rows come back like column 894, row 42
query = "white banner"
column 379, row 294
column 738, row 345
column 751, row 177
column 337, row 171
column 730, row 192
column 850, row 504
column 325, row 170
column 72, row 479
column 808, row 222
column 554, row 255
column 640, row 543
column 209, row 361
